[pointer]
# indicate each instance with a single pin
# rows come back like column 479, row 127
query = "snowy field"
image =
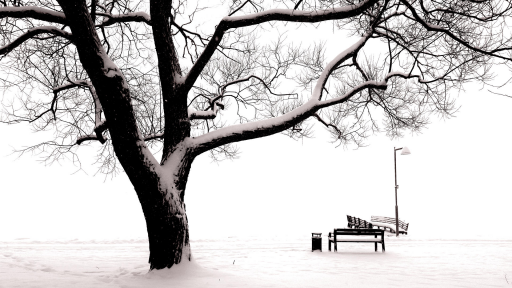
column 260, row 262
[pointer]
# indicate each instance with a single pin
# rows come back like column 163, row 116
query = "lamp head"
column 405, row 151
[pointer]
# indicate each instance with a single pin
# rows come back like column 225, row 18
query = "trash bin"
column 316, row 241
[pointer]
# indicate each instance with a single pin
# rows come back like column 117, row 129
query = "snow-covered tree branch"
column 33, row 12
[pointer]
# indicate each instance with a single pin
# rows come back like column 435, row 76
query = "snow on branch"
column 34, row 13
column 211, row 114
column 31, row 33
column 154, row 136
column 129, row 17
column 82, row 139
column 253, row 130
column 292, row 15
column 350, row 52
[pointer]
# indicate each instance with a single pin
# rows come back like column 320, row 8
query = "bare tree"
column 134, row 77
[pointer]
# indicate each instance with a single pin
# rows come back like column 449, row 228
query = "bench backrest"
column 370, row 232
column 367, row 225
column 350, row 220
column 358, row 222
column 390, row 220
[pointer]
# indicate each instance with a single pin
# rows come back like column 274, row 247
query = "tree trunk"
column 160, row 187
column 168, row 236
column 164, row 210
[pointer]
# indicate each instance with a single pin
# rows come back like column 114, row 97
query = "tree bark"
column 165, row 212
column 168, row 235
column 162, row 199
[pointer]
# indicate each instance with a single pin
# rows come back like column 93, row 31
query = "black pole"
column 396, row 194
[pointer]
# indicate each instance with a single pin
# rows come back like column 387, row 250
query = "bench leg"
column 336, row 246
column 329, row 245
column 375, row 244
column 383, row 246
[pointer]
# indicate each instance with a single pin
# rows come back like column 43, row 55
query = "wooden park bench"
column 390, row 223
column 334, row 237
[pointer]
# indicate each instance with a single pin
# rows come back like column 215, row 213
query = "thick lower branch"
column 113, row 92
column 33, row 12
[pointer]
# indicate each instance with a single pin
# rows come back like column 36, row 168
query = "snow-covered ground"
column 260, row 262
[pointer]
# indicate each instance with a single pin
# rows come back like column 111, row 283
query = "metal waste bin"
column 316, row 241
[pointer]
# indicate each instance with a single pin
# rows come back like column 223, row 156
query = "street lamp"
column 405, row 151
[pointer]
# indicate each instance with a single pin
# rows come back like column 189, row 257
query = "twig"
column 499, row 94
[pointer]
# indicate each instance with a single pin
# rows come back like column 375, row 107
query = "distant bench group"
column 360, row 227
column 380, row 222
column 377, row 233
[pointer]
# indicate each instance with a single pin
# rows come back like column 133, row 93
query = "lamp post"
column 405, row 151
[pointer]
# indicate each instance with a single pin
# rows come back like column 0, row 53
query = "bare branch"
column 241, row 6
column 297, row 5
column 82, row 139
column 436, row 28
column 500, row 94
column 31, row 33
column 222, row 89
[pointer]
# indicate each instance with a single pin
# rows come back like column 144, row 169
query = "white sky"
column 455, row 184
